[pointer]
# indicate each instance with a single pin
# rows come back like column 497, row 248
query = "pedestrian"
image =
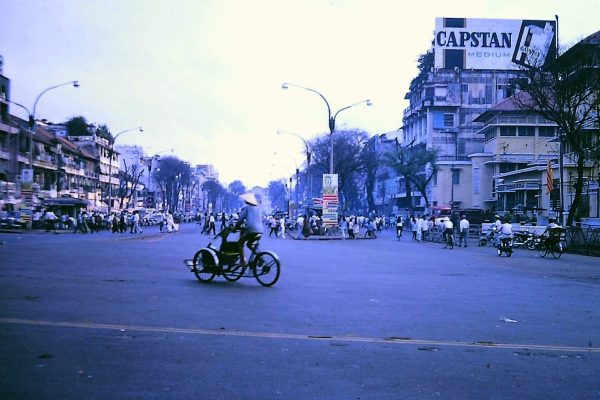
column 299, row 225
column 413, row 227
column 115, row 224
column 343, row 227
column 223, row 220
column 211, row 224
column 356, row 228
column 81, row 224
column 419, row 228
column 306, row 232
column 282, row 227
column 399, row 226
column 122, row 224
column 136, row 223
column 161, row 221
column 464, row 231
column 424, row 228
column 273, row 224
column 50, row 219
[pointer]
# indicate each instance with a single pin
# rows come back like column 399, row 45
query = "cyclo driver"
column 251, row 215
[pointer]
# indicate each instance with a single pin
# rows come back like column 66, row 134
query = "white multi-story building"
column 469, row 70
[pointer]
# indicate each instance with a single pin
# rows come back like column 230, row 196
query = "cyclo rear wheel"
column 266, row 268
column 557, row 250
column 204, row 266
column 542, row 248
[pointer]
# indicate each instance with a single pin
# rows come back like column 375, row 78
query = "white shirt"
column 505, row 229
column 464, row 224
column 448, row 224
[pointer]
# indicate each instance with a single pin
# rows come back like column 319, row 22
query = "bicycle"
column 210, row 261
column 552, row 244
column 449, row 240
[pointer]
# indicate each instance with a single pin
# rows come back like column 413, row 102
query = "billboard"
column 330, row 199
column 470, row 43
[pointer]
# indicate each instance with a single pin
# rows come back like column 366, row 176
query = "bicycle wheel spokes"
column 204, row 266
column 557, row 250
column 234, row 273
column 266, row 268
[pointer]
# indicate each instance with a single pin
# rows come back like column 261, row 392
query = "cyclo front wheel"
column 266, row 268
column 204, row 266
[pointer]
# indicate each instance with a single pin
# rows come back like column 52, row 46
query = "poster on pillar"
column 330, row 199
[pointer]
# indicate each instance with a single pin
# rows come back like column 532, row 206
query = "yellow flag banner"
column 549, row 178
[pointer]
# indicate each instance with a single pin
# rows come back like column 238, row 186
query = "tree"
column 347, row 147
column 417, row 164
column 215, row 191
column 370, row 155
column 567, row 92
column 129, row 179
column 277, row 194
column 173, row 177
column 78, row 126
column 104, row 132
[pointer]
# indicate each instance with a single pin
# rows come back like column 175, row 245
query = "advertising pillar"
column 330, row 199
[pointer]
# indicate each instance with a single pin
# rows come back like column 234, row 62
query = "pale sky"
column 204, row 77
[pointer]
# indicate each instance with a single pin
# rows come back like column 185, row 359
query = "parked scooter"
column 488, row 236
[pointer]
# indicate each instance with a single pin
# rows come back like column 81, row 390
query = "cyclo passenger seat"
column 555, row 234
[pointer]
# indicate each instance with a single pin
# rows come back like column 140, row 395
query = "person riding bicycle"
column 552, row 231
column 251, row 216
column 448, row 228
column 504, row 232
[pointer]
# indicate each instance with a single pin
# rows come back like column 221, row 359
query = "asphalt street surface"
column 103, row 316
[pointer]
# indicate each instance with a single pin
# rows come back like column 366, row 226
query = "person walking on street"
column 282, row 227
column 463, row 226
column 211, row 224
column 273, row 224
column 413, row 227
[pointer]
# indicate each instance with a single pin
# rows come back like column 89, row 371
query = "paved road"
column 108, row 316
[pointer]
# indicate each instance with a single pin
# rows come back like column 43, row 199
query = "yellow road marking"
column 272, row 335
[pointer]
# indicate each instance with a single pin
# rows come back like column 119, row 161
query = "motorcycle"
column 488, row 236
column 505, row 246
column 533, row 241
column 521, row 238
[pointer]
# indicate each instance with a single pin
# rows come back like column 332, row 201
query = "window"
column 526, row 131
column 461, row 147
column 546, row 131
column 448, row 120
column 434, row 178
column 508, row 131
column 455, row 176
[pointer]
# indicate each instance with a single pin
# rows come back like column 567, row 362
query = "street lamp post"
column 308, row 156
column 331, row 119
column 31, row 115
column 110, row 157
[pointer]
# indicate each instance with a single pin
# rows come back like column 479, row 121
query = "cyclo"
column 211, row 261
column 552, row 242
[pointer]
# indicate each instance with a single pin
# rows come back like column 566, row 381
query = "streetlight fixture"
column 110, row 157
column 331, row 119
column 32, row 120
column 308, row 156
